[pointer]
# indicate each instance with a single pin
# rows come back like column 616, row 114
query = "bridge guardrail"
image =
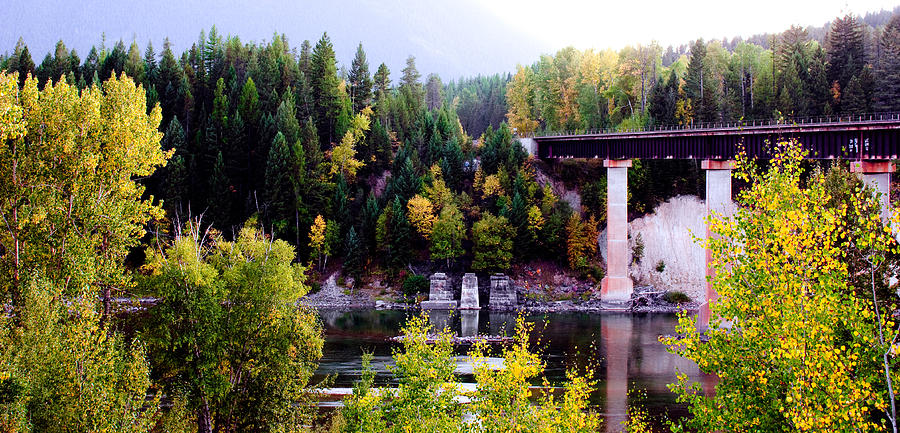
column 790, row 121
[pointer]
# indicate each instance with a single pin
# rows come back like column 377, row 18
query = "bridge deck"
column 857, row 139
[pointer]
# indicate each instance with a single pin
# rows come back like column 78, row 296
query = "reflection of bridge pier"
column 468, row 323
column 870, row 141
column 615, row 331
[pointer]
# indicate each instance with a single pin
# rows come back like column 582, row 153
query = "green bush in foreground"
column 426, row 398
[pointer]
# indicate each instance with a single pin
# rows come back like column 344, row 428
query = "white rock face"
column 668, row 235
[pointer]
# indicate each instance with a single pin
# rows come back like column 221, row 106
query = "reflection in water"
column 440, row 319
column 502, row 323
column 616, row 332
column 622, row 349
column 468, row 323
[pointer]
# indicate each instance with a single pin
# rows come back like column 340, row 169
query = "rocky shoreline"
column 646, row 299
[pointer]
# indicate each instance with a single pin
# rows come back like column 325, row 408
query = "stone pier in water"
column 440, row 295
column 468, row 298
column 503, row 294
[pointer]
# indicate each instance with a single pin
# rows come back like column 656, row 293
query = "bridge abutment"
column 718, row 201
column 616, row 285
column 877, row 175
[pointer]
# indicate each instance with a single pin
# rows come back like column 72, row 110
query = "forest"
column 285, row 134
column 227, row 181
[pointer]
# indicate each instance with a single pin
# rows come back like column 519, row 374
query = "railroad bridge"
column 870, row 142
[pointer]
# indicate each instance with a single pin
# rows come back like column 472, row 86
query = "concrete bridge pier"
column 877, row 175
column 718, row 201
column 616, row 285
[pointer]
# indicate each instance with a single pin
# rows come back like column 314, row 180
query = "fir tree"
column 360, row 81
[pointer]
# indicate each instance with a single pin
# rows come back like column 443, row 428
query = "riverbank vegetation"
column 428, row 395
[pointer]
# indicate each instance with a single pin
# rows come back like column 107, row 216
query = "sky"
column 452, row 38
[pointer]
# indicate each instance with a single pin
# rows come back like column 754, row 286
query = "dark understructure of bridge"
column 875, row 137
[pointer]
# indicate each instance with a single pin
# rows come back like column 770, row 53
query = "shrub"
column 676, row 297
column 415, row 284
column 660, row 266
column 637, row 251
column 502, row 401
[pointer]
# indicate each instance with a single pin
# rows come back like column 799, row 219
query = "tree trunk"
column 204, row 418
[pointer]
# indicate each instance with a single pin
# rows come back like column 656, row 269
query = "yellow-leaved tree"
column 799, row 341
column 343, row 156
column 71, row 210
column 421, row 215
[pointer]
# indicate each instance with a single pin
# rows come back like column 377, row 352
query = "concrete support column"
column 616, row 285
column 877, row 175
column 718, row 201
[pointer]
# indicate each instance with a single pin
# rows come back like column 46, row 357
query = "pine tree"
column 134, row 64
column 279, row 190
column 433, row 92
column 694, row 81
column 360, row 81
column 114, row 62
column 887, row 68
column 324, row 81
column 845, row 49
column 859, row 97
column 353, row 263
column 151, row 67
column 400, row 244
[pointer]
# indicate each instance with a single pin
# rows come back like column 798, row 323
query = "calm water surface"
column 622, row 349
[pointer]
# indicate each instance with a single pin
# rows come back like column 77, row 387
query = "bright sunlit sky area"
column 451, row 38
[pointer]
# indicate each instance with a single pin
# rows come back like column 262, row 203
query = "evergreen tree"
column 400, row 246
column 360, row 81
column 151, row 67
column 845, row 49
column 433, row 92
column 353, row 263
column 411, row 87
column 134, row 64
column 663, row 98
column 324, row 80
column 21, row 62
column 382, row 92
column 694, row 81
column 114, row 61
column 219, row 200
column 859, row 97
column 286, row 119
column 279, row 190
column 887, row 68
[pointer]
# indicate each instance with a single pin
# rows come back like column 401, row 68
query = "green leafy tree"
column 228, row 329
column 448, row 234
column 492, row 239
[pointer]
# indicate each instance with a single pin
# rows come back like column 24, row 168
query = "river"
column 622, row 349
